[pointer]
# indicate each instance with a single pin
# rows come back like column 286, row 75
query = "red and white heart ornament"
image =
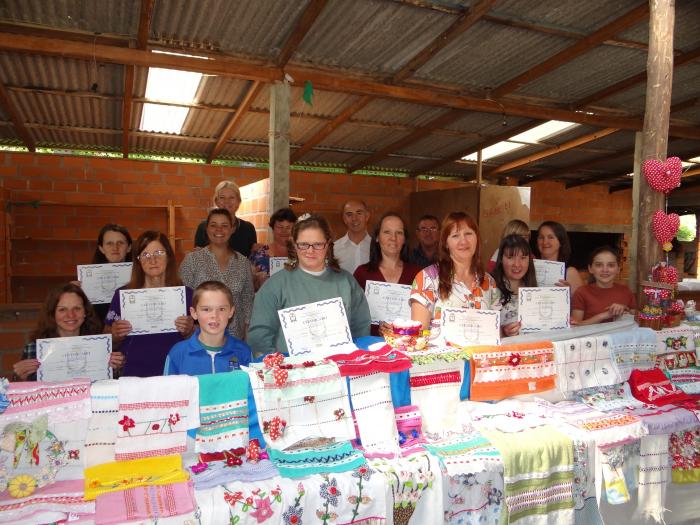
column 663, row 176
column 665, row 228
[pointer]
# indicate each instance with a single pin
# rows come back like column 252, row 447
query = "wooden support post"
column 637, row 183
column 479, row 167
column 279, row 146
column 656, row 122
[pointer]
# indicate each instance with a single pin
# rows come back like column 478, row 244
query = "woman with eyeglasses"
column 219, row 262
column 281, row 223
column 227, row 196
column 154, row 267
column 311, row 274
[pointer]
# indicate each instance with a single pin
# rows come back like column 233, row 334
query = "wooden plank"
column 126, row 108
column 326, row 130
column 235, row 120
column 551, row 151
column 421, row 132
column 17, row 122
column 145, row 18
column 457, row 28
column 618, row 25
column 301, row 28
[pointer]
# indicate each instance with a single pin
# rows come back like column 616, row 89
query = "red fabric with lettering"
column 654, row 388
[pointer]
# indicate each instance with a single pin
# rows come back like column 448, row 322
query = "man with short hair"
column 428, row 235
column 352, row 249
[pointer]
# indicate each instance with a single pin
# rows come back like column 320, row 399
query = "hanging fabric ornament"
column 308, row 94
column 663, row 176
column 665, row 228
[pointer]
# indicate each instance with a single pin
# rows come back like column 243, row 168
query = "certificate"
column 549, row 273
column 469, row 326
column 100, row 281
column 277, row 264
column 63, row 358
column 388, row 301
column 153, row 310
column 317, row 329
column 542, row 309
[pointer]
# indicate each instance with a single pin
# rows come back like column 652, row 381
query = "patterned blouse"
column 484, row 296
column 200, row 265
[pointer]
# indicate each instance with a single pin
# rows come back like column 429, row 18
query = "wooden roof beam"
column 17, row 122
column 235, row 120
column 629, row 19
column 329, row 127
column 458, row 27
column 421, row 132
column 553, row 174
column 145, row 17
column 301, row 28
column 330, row 80
column 503, row 168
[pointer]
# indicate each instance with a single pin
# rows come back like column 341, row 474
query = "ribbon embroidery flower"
column 514, row 359
column 126, row 422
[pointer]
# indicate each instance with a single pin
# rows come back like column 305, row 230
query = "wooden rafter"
column 473, row 149
column 326, row 130
column 306, row 20
column 145, row 17
column 423, row 131
column 236, row 118
column 503, row 168
column 583, row 46
column 458, row 27
column 17, row 123
column 553, row 174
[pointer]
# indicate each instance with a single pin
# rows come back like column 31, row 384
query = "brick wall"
column 4, row 197
column 255, row 207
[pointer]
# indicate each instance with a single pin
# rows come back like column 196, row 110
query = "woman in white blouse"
column 219, row 262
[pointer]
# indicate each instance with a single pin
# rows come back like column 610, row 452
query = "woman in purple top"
column 154, row 267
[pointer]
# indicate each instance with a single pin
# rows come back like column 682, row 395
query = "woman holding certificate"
column 312, row 274
column 67, row 312
column 553, row 245
column 281, row 223
column 113, row 246
column 219, row 262
column 457, row 280
column 154, row 269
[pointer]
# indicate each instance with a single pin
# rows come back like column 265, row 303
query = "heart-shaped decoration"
column 668, row 275
column 665, row 226
column 280, row 376
column 663, row 176
column 272, row 360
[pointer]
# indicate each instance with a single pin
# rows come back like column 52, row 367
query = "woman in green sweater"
column 312, row 274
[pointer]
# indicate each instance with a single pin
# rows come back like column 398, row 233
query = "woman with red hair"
column 457, row 280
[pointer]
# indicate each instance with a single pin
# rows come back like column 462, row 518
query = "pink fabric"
column 150, row 502
column 61, row 401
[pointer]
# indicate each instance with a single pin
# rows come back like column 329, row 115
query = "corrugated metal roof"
column 686, row 30
column 353, row 136
column 394, row 112
column 433, row 146
column 164, row 144
column 52, row 137
column 41, row 108
column 486, row 123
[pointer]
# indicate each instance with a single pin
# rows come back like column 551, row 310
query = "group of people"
column 232, row 302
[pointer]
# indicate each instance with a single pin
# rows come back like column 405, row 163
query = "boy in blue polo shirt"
column 211, row 348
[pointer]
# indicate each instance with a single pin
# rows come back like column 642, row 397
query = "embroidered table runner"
column 139, row 503
column 223, row 411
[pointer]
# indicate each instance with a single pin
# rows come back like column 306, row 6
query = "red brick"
column 21, row 158
column 12, row 340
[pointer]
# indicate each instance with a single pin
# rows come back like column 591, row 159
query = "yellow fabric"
column 122, row 475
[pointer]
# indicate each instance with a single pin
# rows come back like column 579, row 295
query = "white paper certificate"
column 64, row 358
column 277, row 264
column 99, row 281
column 317, row 329
column 153, row 310
column 542, row 309
column 549, row 273
column 469, row 326
column 388, row 301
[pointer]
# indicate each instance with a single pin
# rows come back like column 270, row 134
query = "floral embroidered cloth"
column 498, row 372
column 607, row 398
column 633, row 348
column 212, row 474
column 149, row 502
column 435, row 390
column 122, row 475
column 538, row 471
column 684, row 449
column 297, row 377
column 585, row 362
column 99, row 444
column 45, row 504
column 223, row 411
column 154, row 415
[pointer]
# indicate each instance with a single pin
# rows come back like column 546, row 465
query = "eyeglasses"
column 146, row 256
column 427, row 229
column 303, row 246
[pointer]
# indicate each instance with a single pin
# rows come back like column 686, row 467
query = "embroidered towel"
column 301, row 462
column 607, row 398
column 653, row 387
column 139, row 503
column 538, row 470
column 102, row 433
column 374, row 412
column 634, row 348
column 409, row 425
column 584, row 363
column 154, row 415
column 297, row 377
column 59, row 497
column 435, row 390
column 223, row 411
column 361, row 362
column 465, row 454
column 122, row 475
column 498, row 372
column 219, row 473
column 654, row 468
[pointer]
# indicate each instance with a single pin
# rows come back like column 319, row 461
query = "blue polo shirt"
column 189, row 356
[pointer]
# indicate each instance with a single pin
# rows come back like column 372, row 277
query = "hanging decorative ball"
column 667, row 246
column 665, row 226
